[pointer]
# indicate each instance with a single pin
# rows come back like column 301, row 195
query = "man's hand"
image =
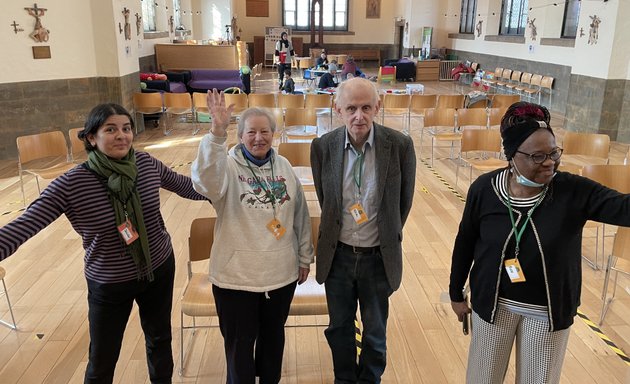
column 303, row 274
column 460, row 308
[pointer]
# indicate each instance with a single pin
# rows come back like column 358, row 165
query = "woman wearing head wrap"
column 519, row 243
column 113, row 201
column 284, row 53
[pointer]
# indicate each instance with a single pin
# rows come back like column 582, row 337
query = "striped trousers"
column 539, row 353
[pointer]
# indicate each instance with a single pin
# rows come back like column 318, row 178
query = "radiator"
column 445, row 69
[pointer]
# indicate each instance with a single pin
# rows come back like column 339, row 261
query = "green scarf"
column 121, row 178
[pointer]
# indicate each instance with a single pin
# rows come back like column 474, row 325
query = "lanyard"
column 518, row 233
column 268, row 190
column 357, row 169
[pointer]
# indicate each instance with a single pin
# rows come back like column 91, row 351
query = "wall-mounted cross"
column 15, row 27
column 36, row 11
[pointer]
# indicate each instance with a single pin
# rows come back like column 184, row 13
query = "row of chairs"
column 523, row 83
column 415, row 105
column 47, row 155
column 170, row 104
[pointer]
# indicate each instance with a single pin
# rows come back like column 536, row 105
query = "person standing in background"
column 284, row 53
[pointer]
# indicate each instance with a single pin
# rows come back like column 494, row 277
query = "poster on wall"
column 373, row 9
column 425, row 51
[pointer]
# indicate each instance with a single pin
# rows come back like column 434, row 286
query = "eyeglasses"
column 539, row 158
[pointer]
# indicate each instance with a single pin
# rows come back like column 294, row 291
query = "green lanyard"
column 518, row 233
column 268, row 191
column 357, row 168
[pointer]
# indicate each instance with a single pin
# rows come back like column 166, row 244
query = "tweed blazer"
column 395, row 174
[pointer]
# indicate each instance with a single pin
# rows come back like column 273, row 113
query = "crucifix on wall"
column 39, row 34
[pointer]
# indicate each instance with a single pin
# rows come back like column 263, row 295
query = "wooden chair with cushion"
column 44, row 155
column 198, row 301
column 12, row 325
column 618, row 261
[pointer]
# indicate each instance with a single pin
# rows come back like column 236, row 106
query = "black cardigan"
column 570, row 201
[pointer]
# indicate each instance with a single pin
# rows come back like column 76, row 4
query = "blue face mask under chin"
column 522, row 180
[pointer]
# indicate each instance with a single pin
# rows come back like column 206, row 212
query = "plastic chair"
column 309, row 78
column 240, row 101
column 200, row 104
column 618, row 261
column 444, row 117
column 47, row 149
column 179, row 104
column 546, row 86
column 290, row 101
column 480, row 141
column 198, row 301
column 591, row 147
column 12, row 325
column 474, row 117
column 321, row 103
column 147, row 104
column 450, row 101
column 386, row 74
column 264, row 100
column 396, row 105
column 418, row 105
column 298, row 154
column 504, row 101
column 616, row 177
column 77, row 147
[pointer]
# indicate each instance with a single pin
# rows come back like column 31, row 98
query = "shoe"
column 280, row 86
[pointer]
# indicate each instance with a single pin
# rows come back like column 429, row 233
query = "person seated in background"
column 349, row 67
column 322, row 61
column 332, row 66
column 289, row 84
column 327, row 80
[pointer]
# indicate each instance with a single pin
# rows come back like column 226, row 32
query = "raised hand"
column 221, row 114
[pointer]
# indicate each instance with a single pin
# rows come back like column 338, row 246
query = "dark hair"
column 521, row 111
column 97, row 117
column 287, row 72
column 284, row 34
column 521, row 120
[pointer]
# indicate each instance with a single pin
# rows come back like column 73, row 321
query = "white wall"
column 71, row 42
column 210, row 18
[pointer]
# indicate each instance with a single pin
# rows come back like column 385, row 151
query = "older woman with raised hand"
column 521, row 232
column 112, row 200
column 262, row 240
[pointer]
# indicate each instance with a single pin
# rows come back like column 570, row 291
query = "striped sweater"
column 82, row 197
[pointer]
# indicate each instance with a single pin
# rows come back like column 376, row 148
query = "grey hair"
column 341, row 90
column 254, row 111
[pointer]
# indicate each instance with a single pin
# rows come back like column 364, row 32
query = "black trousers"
column 108, row 313
column 281, row 69
column 250, row 318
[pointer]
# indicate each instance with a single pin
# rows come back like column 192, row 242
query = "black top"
column 327, row 81
column 555, row 235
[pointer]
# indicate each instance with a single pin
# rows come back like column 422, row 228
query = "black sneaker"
column 280, row 86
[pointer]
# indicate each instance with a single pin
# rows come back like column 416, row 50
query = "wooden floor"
column 48, row 291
